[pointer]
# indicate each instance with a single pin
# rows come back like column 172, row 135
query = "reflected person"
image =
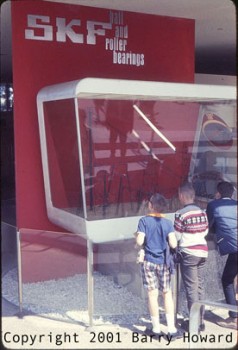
column 119, row 121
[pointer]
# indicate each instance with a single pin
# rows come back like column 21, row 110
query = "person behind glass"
column 222, row 217
column 154, row 233
column 119, row 120
column 191, row 228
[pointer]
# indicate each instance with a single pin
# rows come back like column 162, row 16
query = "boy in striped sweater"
column 191, row 228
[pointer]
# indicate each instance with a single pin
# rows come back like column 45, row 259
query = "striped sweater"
column 191, row 227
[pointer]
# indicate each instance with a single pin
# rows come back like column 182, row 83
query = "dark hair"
column 158, row 202
column 225, row 188
column 187, row 188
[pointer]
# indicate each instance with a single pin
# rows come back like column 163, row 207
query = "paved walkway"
column 30, row 331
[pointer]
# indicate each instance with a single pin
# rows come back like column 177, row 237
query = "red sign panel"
column 54, row 42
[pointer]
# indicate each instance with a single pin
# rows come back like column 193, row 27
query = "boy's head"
column 157, row 203
column 186, row 193
column 225, row 189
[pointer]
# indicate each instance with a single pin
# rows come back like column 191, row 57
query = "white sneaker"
column 156, row 330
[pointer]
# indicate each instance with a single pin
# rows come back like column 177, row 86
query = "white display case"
column 108, row 144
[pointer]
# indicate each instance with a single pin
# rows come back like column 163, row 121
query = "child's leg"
column 153, row 302
column 153, row 305
column 168, row 302
column 169, row 311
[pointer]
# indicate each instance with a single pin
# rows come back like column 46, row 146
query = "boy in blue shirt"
column 154, row 233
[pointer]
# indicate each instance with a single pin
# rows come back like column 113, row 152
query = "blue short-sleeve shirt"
column 156, row 230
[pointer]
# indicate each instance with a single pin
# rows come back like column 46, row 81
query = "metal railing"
column 194, row 316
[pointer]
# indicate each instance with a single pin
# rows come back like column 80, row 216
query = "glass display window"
column 107, row 145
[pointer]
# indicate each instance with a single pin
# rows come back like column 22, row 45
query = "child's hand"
column 140, row 256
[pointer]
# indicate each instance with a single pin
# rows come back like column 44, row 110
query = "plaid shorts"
column 155, row 276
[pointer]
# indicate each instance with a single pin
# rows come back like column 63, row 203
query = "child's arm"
column 172, row 240
column 140, row 238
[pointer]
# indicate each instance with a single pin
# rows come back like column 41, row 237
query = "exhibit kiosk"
column 108, row 144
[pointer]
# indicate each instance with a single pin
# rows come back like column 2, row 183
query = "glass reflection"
column 63, row 155
column 126, row 157
column 109, row 156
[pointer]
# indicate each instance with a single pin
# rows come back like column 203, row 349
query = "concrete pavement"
column 31, row 331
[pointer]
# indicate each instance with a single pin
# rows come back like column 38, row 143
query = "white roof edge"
column 152, row 89
column 58, row 91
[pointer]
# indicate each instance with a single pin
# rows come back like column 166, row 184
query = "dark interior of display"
column 124, row 158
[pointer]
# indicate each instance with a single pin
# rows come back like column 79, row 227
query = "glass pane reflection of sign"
column 107, row 145
column 216, row 154
column 217, row 132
